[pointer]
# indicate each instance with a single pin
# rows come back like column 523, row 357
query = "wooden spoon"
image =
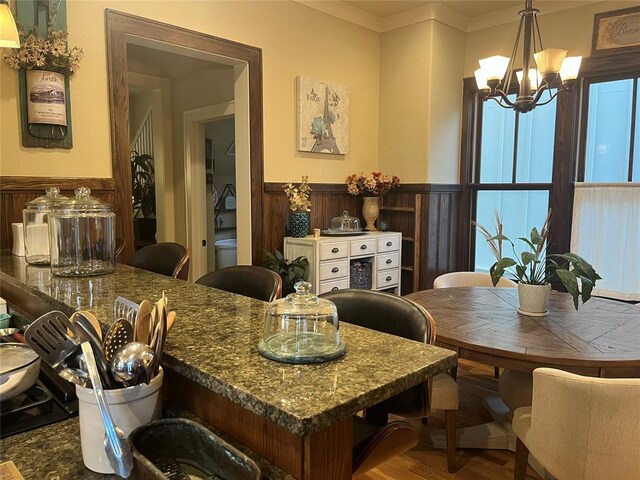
column 142, row 324
column 171, row 317
column 92, row 320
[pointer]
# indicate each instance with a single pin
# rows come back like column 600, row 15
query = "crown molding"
column 510, row 15
column 345, row 12
column 432, row 12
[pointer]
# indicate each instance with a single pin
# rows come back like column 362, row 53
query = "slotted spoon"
column 120, row 333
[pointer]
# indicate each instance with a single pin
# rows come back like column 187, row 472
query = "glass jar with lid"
column 301, row 328
column 82, row 236
column 345, row 224
column 35, row 217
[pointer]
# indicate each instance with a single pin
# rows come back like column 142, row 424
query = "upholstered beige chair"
column 399, row 316
column 580, row 428
column 470, row 279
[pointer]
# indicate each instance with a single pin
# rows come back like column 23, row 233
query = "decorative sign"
column 616, row 32
column 323, row 117
column 46, row 98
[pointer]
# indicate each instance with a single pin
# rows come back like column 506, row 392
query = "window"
column 514, row 172
column 612, row 147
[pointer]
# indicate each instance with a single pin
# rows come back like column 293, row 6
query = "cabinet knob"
column 335, row 269
column 389, row 261
column 389, row 243
column 388, row 279
column 334, row 289
column 335, row 250
column 363, row 247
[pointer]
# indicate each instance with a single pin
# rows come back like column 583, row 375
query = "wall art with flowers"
column 44, row 62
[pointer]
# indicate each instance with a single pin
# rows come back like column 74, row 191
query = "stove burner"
column 50, row 400
column 36, row 397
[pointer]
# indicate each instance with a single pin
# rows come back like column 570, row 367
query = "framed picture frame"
column 323, row 117
column 209, row 161
column 617, row 31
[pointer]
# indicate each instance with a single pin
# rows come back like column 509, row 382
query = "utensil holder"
column 130, row 408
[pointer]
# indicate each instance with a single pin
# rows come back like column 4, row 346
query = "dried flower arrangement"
column 299, row 196
column 50, row 53
column 373, row 185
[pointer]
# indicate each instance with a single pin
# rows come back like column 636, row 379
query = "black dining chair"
column 248, row 280
column 166, row 258
column 398, row 316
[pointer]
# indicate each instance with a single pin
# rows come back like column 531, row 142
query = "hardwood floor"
column 424, row 462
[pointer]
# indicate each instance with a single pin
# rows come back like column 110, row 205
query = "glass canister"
column 35, row 217
column 82, row 234
column 301, row 328
column 345, row 223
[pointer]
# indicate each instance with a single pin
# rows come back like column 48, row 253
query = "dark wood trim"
column 24, row 184
column 121, row 24
column 277, row 187
column 605, row 65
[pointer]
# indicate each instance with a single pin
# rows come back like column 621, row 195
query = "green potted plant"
column 143, row 192
column 291, row 272
column 534, row 269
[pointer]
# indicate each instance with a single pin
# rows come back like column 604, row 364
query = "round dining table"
column 482, row 324
column 601, row 338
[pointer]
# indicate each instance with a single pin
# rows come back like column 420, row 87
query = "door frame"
column 119, row 26
column 194, row 167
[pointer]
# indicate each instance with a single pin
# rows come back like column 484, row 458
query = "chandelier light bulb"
column 570, row 68
column 550, row 60
column 481, row 80
column 535, row 78
column 494, row 67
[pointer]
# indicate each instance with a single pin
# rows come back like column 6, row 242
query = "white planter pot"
column 533, row 299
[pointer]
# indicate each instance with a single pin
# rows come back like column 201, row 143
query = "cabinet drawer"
column 388, row 260
column 387, row 278
column 334, row 285
column 365, row 246
column 388, row 244
column 331, row 270
column 332, row 250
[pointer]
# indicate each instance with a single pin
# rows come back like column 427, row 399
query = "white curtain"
column 606, row 233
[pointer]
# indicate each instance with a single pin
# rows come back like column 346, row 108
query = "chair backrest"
column 394, row 315
column 248, row 280
column 170, row 259
column 470, row 279
column 583, row 427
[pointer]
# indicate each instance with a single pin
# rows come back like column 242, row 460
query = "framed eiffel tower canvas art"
column 323, row 117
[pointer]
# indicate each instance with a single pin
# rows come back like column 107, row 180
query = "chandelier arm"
column 544, row 87
column 510, row 68
column 537, row 29
column 501, row 99
column 561, row 89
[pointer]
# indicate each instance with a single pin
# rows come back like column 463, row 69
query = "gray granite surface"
column 55, row 452
column 214, row 343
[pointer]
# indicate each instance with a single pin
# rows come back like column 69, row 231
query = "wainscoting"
column 426, row 214
column 16, row 191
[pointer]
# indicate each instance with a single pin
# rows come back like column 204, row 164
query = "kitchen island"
column 298, row 417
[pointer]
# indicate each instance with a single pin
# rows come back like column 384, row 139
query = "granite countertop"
column 55, row 452
column 214, row 343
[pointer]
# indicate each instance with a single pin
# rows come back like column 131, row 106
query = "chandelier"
column 554, row 69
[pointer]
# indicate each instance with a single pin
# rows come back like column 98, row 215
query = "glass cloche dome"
column 301, row 328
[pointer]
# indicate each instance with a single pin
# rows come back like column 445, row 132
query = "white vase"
column 534, row 298
column 370, row 212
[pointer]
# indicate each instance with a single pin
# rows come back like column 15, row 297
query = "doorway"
column 247, row 74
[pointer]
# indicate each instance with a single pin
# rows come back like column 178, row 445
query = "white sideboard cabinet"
column 331, row 259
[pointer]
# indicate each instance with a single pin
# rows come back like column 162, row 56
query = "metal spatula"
column 127, row 309
column 49, row 338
